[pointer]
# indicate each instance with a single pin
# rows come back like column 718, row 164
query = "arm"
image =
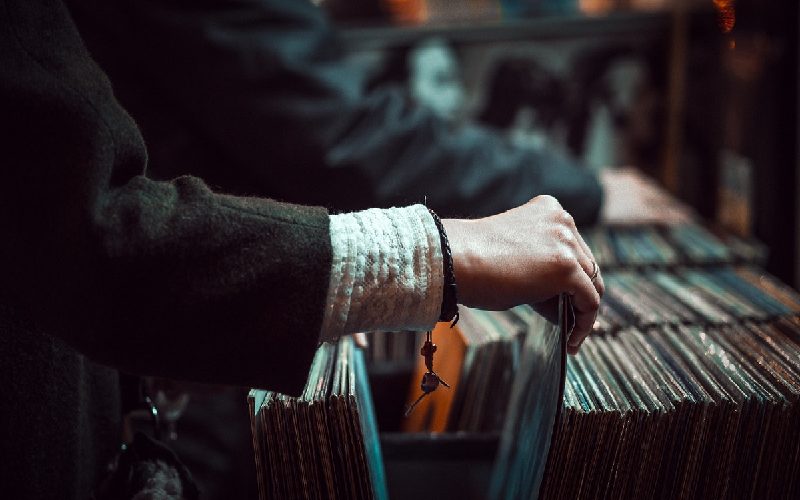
column 132, row 271
column 265, row 83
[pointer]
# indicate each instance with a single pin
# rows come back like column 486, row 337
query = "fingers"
column 586, row 302
column 587, row 284
column 586, row 257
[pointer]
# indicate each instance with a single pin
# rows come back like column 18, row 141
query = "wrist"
column 465, row 259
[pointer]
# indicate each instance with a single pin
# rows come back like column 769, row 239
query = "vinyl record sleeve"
column 534, row 409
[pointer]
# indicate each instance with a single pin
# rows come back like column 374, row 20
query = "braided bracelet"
column 450, row 292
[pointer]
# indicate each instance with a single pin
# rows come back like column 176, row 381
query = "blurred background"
column 700, row 95
column 686, row 109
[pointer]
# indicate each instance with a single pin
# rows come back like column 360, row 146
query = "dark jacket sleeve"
column 163, row 278
column 264, row 82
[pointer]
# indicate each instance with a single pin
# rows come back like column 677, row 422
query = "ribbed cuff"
column 386, row 272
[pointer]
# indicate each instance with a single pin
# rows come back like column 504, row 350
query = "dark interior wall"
column 770, row 129
column 742, row 97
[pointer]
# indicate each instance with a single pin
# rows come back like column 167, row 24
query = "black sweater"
column 102, row 267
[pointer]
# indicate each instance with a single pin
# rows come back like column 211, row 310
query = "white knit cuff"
column 386, row 272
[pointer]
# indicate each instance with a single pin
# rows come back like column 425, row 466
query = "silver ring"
column 595, row 270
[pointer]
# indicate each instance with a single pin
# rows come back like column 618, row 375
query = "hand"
column 526, row 255
column 632, row 198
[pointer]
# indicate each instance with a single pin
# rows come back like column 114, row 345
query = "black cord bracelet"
column 450, row 292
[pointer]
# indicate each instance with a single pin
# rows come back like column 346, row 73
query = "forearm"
column 163, row 278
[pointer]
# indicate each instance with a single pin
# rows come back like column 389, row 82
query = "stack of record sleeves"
column 675, row 411
column 709, row 295
column 694, row 393
column 393, row 347
column 479, row 360
column 668, row 245
column 688, row 388
column 323, row 444
column 494, row 341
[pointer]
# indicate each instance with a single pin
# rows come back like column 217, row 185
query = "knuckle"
column 548, row 200
column 564, row 263
column 563, row 235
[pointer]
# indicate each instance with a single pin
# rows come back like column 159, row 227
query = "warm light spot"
column 726, row 14
column 595, row 7
column 408, row 11
column 727, row 19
